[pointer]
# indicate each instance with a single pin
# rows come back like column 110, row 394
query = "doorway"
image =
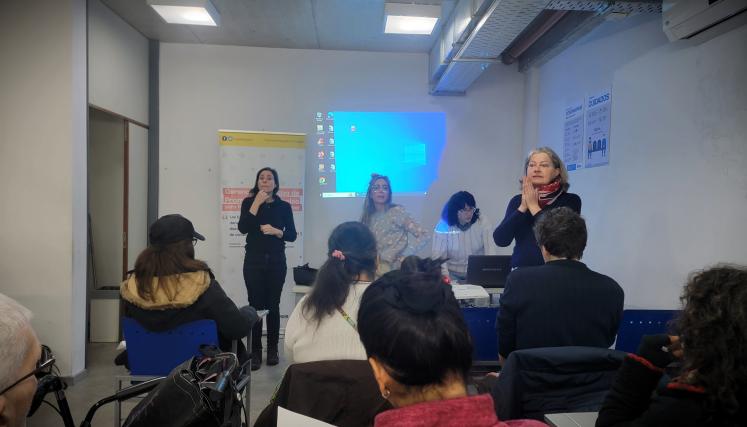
column 117, row 213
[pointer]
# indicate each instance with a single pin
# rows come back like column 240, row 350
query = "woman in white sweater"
column 322, row 326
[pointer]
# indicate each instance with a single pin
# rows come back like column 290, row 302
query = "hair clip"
column 338, row 254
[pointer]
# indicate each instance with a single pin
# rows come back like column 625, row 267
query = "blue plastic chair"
column 157, row 353
column 637, row 323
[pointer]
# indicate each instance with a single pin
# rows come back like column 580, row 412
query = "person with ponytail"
column 420, row 351
column 322, row 326
column 543, row 187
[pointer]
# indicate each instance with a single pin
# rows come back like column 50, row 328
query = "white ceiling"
column 296, row 24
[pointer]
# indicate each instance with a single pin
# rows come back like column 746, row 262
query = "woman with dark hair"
column 322, row 326
column 544, row 186
column 461, row 232
column 397, row 233
column 268, row 223
column 711, row 387
column 420, row 351
column 169, row 287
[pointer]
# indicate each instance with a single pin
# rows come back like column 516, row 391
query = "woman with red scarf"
column 544, row 187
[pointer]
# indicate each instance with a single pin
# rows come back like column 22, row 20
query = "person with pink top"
column 419, row 348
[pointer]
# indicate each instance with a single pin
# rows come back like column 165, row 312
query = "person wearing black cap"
column 169, row 287
column 268, row 223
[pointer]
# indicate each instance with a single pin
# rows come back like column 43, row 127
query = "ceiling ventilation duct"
column 474, row 37
column 479, row 31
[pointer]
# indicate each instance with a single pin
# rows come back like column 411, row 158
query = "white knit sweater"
column 332, row 339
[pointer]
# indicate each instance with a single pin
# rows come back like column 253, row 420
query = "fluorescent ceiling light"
column 404, row 18
column 190, row 12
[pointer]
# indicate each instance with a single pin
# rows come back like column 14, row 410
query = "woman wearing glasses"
column 544, row 186
column 169, row 287
column 268, row 223
column 397, row 233
column 461, row 232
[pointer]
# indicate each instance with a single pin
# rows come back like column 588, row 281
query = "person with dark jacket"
column 710, row 388
column 561, row 303
column 169, row 287
column 268, row 223
column 544, row 187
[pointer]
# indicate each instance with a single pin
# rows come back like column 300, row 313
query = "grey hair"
column 14, row 319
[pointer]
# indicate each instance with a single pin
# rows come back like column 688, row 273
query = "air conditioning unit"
column 683, row 19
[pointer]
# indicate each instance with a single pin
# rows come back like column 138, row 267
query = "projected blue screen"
column 405, row 146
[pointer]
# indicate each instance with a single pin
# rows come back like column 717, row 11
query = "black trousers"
column 264, row 284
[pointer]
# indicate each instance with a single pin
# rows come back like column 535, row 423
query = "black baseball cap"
column 171, row 229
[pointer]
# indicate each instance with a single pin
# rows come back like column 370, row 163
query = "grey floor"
column 100, row 382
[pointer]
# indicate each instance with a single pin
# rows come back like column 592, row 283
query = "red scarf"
column 549, row 192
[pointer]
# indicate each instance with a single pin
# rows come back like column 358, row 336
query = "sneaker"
column 272, row 357
column 256, row 360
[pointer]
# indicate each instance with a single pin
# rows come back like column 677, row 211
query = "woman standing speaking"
column 267, row 222
column 543, row 187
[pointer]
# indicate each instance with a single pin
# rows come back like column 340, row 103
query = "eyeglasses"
column 43, row 367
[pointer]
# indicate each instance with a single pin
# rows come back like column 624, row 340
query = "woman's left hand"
column 271, row 231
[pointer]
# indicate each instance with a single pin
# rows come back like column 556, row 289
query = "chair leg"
column 118, row 406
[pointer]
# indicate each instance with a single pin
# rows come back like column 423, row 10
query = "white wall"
column 117, row 64
column 43, row 169
column 674, row 197
column 206, row 88
column 106, row 195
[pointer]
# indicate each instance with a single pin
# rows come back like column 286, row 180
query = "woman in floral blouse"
column 397, row 233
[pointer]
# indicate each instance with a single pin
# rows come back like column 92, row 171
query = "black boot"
column 256, row 359
column 272, row 356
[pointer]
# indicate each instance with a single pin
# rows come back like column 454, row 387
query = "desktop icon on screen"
column 331, row 154
column 322, row 180
column 320, row 155
column 321, row 167
column 331, row 141
column 352, row 128
column 319, row 116
column 320, row 129
column 321, row 141
column 332, row 168
column 330, row 116
column 331, row 129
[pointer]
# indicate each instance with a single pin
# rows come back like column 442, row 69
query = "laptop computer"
column 488, row 271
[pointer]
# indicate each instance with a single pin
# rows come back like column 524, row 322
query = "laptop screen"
column 488, row 271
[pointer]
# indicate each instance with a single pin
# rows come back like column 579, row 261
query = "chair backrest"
column 343, row 393
column 539, row 381
column 157, row 353
column 637, row 323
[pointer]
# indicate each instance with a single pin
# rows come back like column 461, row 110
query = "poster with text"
column 598, row 118
column 242, row 154
column 573, row 136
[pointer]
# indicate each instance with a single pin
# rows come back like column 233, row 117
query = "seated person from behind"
column 420, row 351
column 20, row 354
column 322, row 326
column 563, row 302
column 169, row 287
column 711, row 387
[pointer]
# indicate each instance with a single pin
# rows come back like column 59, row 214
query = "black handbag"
column 182, row 400
column 304, row 275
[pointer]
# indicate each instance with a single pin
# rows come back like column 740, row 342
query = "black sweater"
column 261, row 248
column 518, row 226
column 630, row 402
